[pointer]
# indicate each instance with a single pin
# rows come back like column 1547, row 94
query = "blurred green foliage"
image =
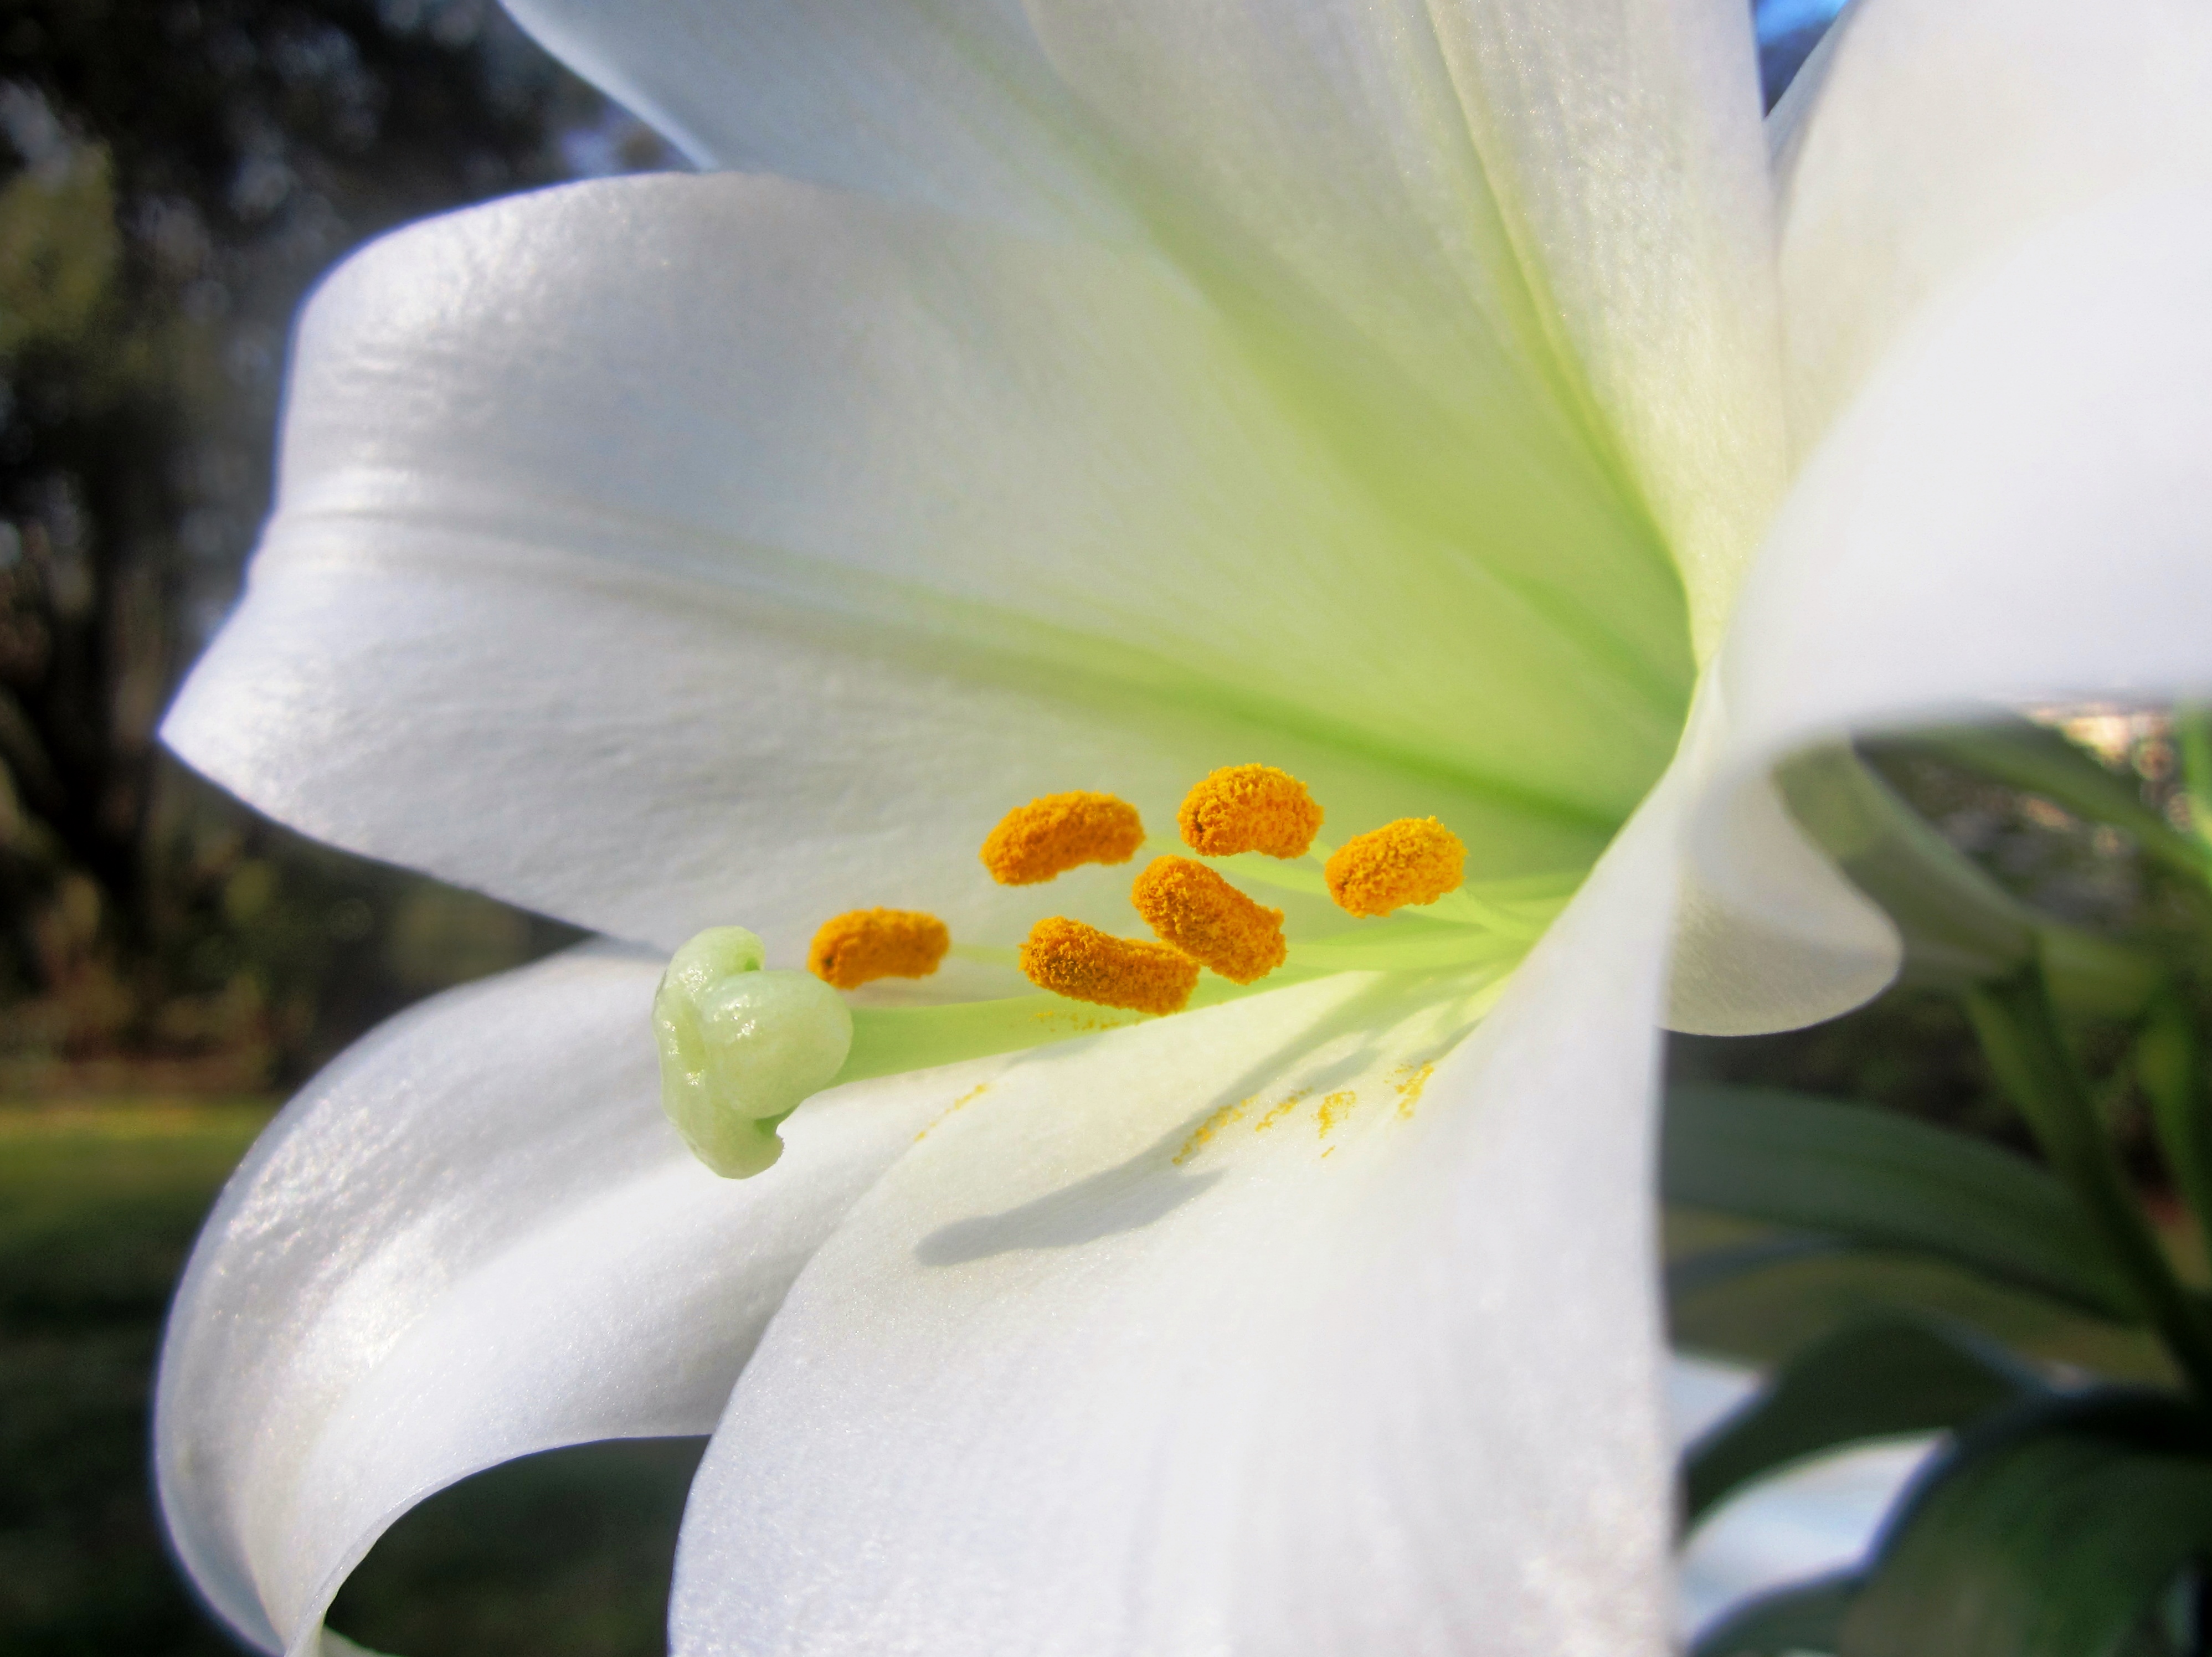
column 174, row 175
column 97, row 1207
column 174, row 178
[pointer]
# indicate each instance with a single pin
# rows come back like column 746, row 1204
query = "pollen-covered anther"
column 1413, row 860
column 1250, row 808
column 1055, row 833
column 862, row 945
column 1189, row 906
column 1084, row 964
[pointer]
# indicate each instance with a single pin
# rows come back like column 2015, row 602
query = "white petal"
column 693, row 549
column 948, row 103
column 1516, row 211
column 1129, row 1357
column 1931, row 135
column 473, row 1237
column 2013, row 512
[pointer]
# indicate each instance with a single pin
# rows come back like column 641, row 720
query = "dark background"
column 174, row 175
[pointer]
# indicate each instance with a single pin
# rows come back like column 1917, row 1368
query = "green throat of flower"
column 742, row 1045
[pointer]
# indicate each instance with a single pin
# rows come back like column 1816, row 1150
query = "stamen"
column 1413, row 860
column 1189, row 906
column 1250, row 808
column 862, row 945
column 1057, row 832
column 1084, row 964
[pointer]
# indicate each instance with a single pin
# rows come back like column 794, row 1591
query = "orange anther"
column 862, row 945
column 1084, row 964
column 1054, row 833
column 1189, row 906
column 1250, row 808
column 1413, row 860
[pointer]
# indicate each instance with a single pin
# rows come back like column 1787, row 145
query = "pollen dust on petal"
column 1250, row 808
column 1204, row 1132
column 1413, row 860
column 967, row 1098
column 1187, row 905
column 1409, row 1080
column 1279, row 1109
column 862, row 945
column 1084, row 964
column 1055, row 833
column 1335, row 1107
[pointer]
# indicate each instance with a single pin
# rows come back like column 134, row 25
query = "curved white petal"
column 688, row 549
column 2017, row 510
column 948, row 103
column 473, row 1237
column 1769, row 935
column 1241, row 1332
column 1931, row 135
column 1544, row 223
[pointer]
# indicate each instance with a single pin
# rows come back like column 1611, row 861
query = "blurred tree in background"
column 176, row 175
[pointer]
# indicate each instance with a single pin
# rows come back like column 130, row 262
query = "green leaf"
column 2049, row 1533
column 1960, row 927
column 1805, row 1617
column 1885, row 1181
column 1709, row 1268
column 2169, row 1063
column 1875, row 1378
column 2039, row 761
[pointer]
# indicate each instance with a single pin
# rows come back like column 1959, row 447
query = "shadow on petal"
column 1126, row 1198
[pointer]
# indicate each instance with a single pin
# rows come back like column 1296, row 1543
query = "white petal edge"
column 2016, row 510
column 946, row 103
column 1348, row 1378
column 474, row 1236
column 1928, row 135
column 1563, row 209
column 616, row 570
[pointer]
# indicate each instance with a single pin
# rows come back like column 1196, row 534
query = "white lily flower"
column 1433, row 399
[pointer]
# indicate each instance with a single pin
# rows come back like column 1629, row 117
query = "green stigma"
column 741, row 1048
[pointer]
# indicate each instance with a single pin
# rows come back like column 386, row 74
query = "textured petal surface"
column 691, row 550
column 2017, row 510
column 944, row 102
column 1534, row 230
column 473, row 1237
column 1928, row 135
column 1247, row 1330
